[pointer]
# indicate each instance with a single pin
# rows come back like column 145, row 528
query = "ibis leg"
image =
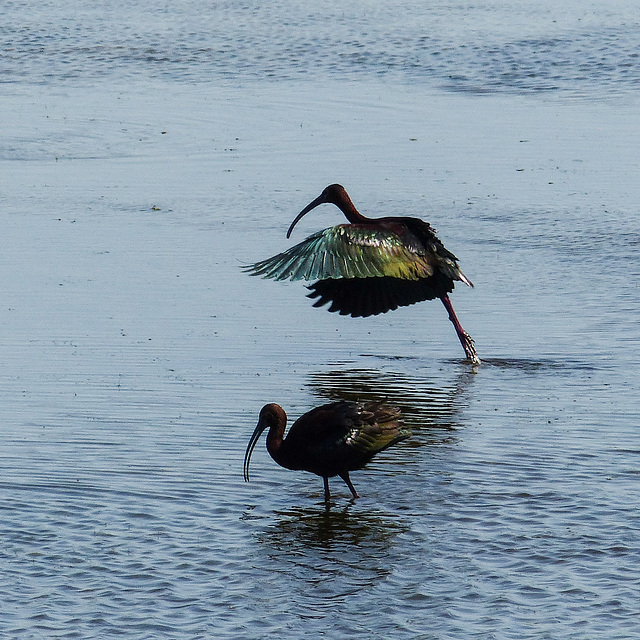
column 347, row 479
column 465, row 339
column 327, row 494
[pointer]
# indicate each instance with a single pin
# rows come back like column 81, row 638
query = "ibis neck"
column 274, row 442
column 274, row 418
column 280, row 452
column 351, row 213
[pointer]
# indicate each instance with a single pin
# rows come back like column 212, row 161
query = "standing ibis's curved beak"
column 255, row 436
column 321, row 199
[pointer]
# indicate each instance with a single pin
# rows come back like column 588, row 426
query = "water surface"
column 147, row 152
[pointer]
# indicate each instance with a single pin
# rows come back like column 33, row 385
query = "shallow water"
column 147, row 153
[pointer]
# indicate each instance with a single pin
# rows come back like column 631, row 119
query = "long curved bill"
column 255, row 436
column 321, row 199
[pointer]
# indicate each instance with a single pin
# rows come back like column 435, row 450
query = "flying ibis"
column 370, row 265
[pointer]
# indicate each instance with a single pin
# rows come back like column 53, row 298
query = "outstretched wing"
column 371, row 296
column 346, row 251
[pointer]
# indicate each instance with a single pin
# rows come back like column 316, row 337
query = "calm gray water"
column 148, row 151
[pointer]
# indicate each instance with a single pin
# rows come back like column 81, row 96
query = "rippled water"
column 148, row 151
column 583, row 47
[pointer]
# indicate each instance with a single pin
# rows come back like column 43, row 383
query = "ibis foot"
column 469, row 347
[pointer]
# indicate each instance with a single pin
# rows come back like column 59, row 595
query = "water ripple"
column 462, row 51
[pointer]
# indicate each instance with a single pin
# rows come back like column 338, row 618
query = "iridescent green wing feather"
column 376, row 427
column 346, row 251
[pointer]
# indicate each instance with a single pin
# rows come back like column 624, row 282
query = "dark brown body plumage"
column 330, row 440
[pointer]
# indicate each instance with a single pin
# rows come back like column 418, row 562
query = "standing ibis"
column 330, row 440
column 371, row 265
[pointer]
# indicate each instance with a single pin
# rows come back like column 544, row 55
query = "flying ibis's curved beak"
column 321, row 199
column 255, row 436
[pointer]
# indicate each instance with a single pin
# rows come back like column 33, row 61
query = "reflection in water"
column 331, row 529
column 339, row 552
column 330, row 559
column 425, row 404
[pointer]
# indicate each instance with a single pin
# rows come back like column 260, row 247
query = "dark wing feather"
column 371, row 296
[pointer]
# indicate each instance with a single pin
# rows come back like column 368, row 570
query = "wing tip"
column 464, row 279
